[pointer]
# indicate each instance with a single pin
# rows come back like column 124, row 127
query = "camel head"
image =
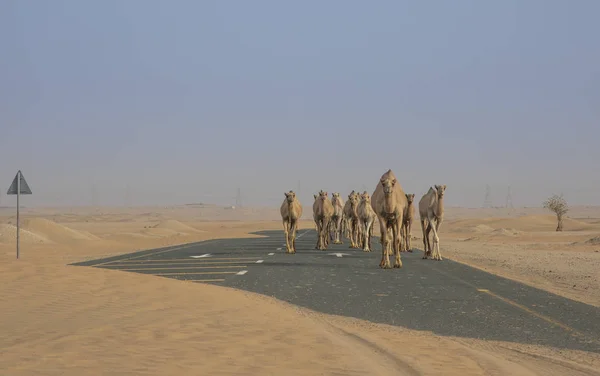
column 365, row 197
column 410, row 197
column 290, row 196
column 388, row 185
column 323, row 195
column 335, row 195
column 440, row 189
column 353, row 199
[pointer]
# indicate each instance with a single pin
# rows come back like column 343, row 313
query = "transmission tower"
column 509, row 203
column 487, row 201
column 238, row 198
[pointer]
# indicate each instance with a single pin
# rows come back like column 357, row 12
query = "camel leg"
column 356, row 228
column 371, row 223
column 338, row 230
column 402, row 237
column 294, row 228
column 424, row 238
column 436, row 241
column 366, row 232
column 408, row 235
column 351, row 230
column 326, row 233
column 385, row 260
column 396, row 234
column 318, row 224
column 404, row 232
column 427, row 232
column 287, row 235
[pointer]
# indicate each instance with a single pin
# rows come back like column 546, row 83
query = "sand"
column 65, row 320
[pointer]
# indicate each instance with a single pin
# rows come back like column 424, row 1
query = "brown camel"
column 431, row 210
column 389, row 201
column 336, row 219
column 409, row 215
column 291, row 211
column 366, row 217
column 322, row 212
column 351, row 215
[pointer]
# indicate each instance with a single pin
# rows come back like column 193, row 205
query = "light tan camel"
column 351, row 215
column 431, row 210
column 388, row 201
column 366, row 216
column 314, row 217
column 409, row 215
column 322, row 212
column 336, row 220
column 291, row 211
column 346, row 218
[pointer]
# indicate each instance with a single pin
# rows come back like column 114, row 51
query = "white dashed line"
column 260, row 261
column 279, row 249
column 242, row 272
column 271, row 254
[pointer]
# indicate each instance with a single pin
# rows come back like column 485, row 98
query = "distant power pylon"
column 487, row 201
column 238, row 198
column 509, row 203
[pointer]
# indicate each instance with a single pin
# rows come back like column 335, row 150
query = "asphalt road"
column 445, row 297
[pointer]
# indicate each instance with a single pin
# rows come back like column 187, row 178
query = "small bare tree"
column 558, row 205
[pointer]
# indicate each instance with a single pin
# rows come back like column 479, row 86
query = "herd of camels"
column 389, row 203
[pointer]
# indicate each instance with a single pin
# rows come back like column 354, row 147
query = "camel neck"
column 388, row 203
column 440, row 206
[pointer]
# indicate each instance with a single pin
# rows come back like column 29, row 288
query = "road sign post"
column 19, row 187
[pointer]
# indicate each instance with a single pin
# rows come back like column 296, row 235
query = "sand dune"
column 176, row 226
column 8, row 234
column 54, row 231
column 527, row 223
column 75, row 320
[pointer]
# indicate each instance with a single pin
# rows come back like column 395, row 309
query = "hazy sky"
column 185, row 101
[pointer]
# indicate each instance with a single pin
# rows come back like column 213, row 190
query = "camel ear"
column 286, row 194
column 394, row 182
column 444, row 186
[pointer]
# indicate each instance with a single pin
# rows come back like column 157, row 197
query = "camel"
column 366, row 217
column 291, row 211
column 409, row 215
column 351, row 215
column 336, row 219
column 345, row 217
column 316, row 226
column 431, row 210
column 322, row 212
column 389, row 202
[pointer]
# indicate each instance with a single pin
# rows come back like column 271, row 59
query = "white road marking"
column 340, row 254
column 201, row 256
column 260, row 261
column 279, row 249
column 271, row 254
column 242, row 272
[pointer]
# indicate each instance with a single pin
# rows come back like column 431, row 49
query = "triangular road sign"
column 25, row 190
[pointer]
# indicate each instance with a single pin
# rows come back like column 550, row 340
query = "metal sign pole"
column 19, row 186
column 18, row 197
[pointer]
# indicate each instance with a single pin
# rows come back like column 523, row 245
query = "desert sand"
column 57, row 319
